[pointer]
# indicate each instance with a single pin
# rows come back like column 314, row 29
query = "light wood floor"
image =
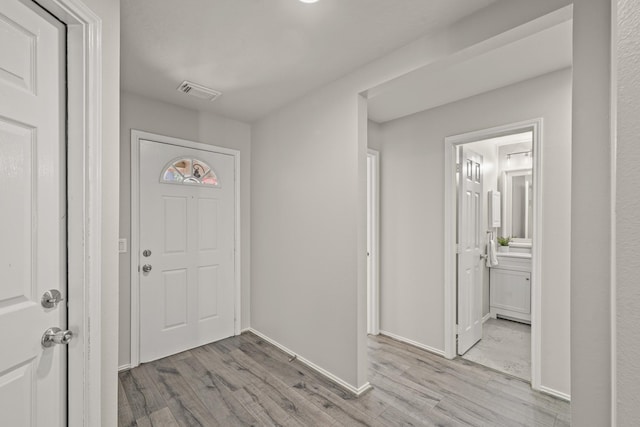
column 243, row 381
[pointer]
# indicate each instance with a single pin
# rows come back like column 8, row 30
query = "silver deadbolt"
column 146, row 268
column 146, row 253
column 56, row 336
column 51, row 298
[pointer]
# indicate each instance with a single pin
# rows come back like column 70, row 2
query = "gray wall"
column 142, row 113
column 412, row 217
column 374, row 135
column 305, row 217
column 627, row 211
column 591, row 215
column 308, row 268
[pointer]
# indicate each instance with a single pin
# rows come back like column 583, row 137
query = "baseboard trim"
column 339, row 381
column 555, row 393
column 242, row 331
column 413, row 343
column 486, row 317
column 125, row 367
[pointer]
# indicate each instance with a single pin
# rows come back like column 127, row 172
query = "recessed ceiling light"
column 308, row 1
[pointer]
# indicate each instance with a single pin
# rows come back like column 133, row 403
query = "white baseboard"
column 486, row 317
column 125, row 367
column 242, row 331
column 356, row 391
column 555, row 393
column 413, row 343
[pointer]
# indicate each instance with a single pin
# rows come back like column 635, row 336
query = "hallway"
column 245, row 381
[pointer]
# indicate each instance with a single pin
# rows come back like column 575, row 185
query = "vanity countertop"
column 514, row 255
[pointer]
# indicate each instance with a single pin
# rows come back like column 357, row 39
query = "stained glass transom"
column 189, row 171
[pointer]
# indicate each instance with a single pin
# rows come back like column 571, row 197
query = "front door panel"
column 187, row 206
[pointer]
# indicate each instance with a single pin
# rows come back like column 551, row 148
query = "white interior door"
column 470, row 244
column 187, row 205
column 32, row 215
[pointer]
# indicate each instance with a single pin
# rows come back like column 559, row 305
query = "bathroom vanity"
column 510, row 287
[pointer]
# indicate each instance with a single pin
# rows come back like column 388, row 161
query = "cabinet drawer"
column 513, row 263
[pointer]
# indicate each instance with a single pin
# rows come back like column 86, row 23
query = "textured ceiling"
column 262, row 54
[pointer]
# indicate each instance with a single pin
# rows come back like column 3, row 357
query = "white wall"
column 141, row 113
column 412, row 219
column 627, row 208
column 306, row 215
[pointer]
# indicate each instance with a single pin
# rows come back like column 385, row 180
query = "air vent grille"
column 198, row 91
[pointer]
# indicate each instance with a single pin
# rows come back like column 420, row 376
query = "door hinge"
column 458, row 167
column 458, row 248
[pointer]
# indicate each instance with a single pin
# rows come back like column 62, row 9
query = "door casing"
column 450, row 206
column 373, row 245
column 136, row 136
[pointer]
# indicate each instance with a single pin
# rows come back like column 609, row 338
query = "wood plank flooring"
column 245, row 381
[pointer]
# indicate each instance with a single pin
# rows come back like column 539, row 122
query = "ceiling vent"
column 198, row 91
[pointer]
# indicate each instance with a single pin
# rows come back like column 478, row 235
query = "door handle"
column 146, row 268
column 56, row 336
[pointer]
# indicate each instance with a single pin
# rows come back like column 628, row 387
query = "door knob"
column 146, row 268
column 51, row 298
column 56, row 336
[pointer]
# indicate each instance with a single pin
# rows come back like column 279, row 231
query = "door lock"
column 146, row 253
column 146, row 268
column 56, row 336
column 51, row 298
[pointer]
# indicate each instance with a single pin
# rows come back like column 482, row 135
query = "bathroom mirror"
column 517, row 187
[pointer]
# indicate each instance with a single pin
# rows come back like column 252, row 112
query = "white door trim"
column 373, row 288
column 84, row 207
column 136, row 136
column 450, row 144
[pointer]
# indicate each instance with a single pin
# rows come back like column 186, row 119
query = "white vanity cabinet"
column 510, row 287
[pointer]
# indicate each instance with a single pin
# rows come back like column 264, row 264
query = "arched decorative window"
column 189, row 171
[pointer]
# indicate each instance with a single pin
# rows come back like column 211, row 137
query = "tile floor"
column 505, row 347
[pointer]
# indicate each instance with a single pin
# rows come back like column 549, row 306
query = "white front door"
column 470, row 244
column 32, row 215
column 186, row 259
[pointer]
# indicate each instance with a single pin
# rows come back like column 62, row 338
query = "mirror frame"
column 507, row 208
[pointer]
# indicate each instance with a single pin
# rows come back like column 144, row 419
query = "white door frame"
column 84, row 207
column 450, row 203
column 373, row 275
column 136, row 136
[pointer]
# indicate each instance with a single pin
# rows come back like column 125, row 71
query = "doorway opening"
column 492, row 241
